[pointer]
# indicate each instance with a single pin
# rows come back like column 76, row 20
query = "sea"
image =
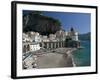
column 82, row 57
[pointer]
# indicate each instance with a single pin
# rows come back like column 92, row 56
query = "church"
column 58, row 40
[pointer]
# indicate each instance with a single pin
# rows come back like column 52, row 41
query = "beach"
column 56, row 58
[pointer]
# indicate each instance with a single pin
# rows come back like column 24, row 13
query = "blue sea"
column 82, row 57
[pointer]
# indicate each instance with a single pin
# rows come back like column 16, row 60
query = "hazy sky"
column 79, row 21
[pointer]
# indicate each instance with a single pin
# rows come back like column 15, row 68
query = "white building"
column 61, row 35
column 32, row 40
column 29, row 47
column 52, row 37
column 26, row 38
column 66, row 33
column 73, row 34
column 34, row 46
column 45, row 39
column 35, row 36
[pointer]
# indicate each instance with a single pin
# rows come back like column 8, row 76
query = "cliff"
column 35, row 21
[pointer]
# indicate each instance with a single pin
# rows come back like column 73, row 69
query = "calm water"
column 82, row 57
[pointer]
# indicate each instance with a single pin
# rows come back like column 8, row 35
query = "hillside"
column 35, row 21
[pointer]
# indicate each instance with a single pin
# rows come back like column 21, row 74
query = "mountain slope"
column 35, row 21
column 86, row 36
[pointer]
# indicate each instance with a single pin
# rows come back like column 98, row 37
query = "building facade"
column 57, row 40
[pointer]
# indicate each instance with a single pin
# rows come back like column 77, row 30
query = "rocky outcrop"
column 40, row 23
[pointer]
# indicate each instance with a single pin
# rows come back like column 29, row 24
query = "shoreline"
column 70, row 54
column 57, row 58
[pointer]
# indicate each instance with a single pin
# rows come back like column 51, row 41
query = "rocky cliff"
column 36, row 21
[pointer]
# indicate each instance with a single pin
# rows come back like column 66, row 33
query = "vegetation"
column 35, row 21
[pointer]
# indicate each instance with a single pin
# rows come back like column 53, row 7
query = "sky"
column 79, row 21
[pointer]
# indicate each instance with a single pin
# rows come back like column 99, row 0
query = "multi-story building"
column 35, row 36
column 26, row 38
column 31, row 42
column 61, row 35
column 52, row 37
column 73, row 39
column 73, row 34
column 34, row 46
column 37, row 41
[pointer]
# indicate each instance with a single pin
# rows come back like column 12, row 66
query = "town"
column 37, row 47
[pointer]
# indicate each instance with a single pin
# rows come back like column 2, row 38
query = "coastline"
column 56, row 58
column 82, row 57
column 70, row 55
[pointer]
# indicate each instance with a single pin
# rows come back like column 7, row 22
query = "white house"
column 61, row 35
column 26, row 38
column 35, row 36
column 45, row 39
column 52, row 36
column 34, row 46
